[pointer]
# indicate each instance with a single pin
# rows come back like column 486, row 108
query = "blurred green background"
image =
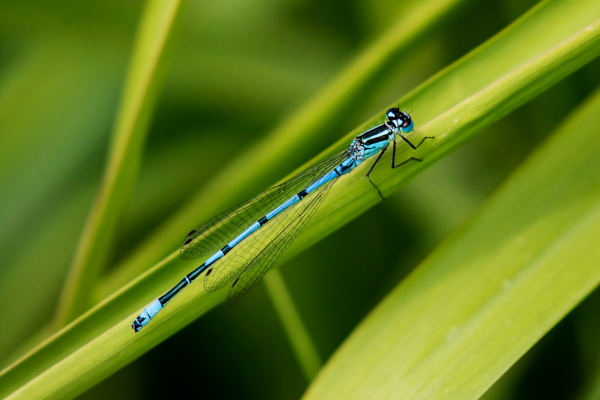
column 238, row 69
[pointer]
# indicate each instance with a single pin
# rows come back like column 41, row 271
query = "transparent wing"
column 271, row 244
column 212, row 235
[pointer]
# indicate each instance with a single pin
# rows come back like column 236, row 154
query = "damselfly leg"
column 394, row 159
column 371, row 170
column 412, row 145
column 410, row 159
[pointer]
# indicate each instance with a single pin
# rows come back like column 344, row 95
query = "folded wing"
column 214, row 234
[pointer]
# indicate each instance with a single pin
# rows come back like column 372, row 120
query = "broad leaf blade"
column 491, row 290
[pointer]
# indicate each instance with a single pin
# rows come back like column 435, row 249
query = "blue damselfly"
column 245, row 241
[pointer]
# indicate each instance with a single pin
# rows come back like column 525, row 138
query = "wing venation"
column 272, row 244
column 212, row 235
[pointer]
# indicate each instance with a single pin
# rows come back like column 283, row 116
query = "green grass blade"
column 124, row 160
column 48, row 248
column 302, row 344
column 48, row 151
column 557, row 38
column 299, row 137
column 492, row 289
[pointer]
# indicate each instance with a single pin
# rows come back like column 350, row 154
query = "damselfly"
column 248, row 239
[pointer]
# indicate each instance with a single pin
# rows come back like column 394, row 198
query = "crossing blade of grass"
column 142, row 85
column 492, row 289
column 297, row 138
column 555, row 39
column 302, row 344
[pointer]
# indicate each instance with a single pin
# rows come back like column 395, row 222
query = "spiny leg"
column 403, row 162
column 371, row 170
column 412, row 145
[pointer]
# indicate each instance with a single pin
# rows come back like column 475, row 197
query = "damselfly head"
column 402, row 119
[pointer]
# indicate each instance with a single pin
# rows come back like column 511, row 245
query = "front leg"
column 412, row 145
column 412, row 158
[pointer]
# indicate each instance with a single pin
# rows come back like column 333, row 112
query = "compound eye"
column 406, row 122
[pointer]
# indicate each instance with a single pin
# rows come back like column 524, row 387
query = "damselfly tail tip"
column 146, row 315
column 136, row 326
